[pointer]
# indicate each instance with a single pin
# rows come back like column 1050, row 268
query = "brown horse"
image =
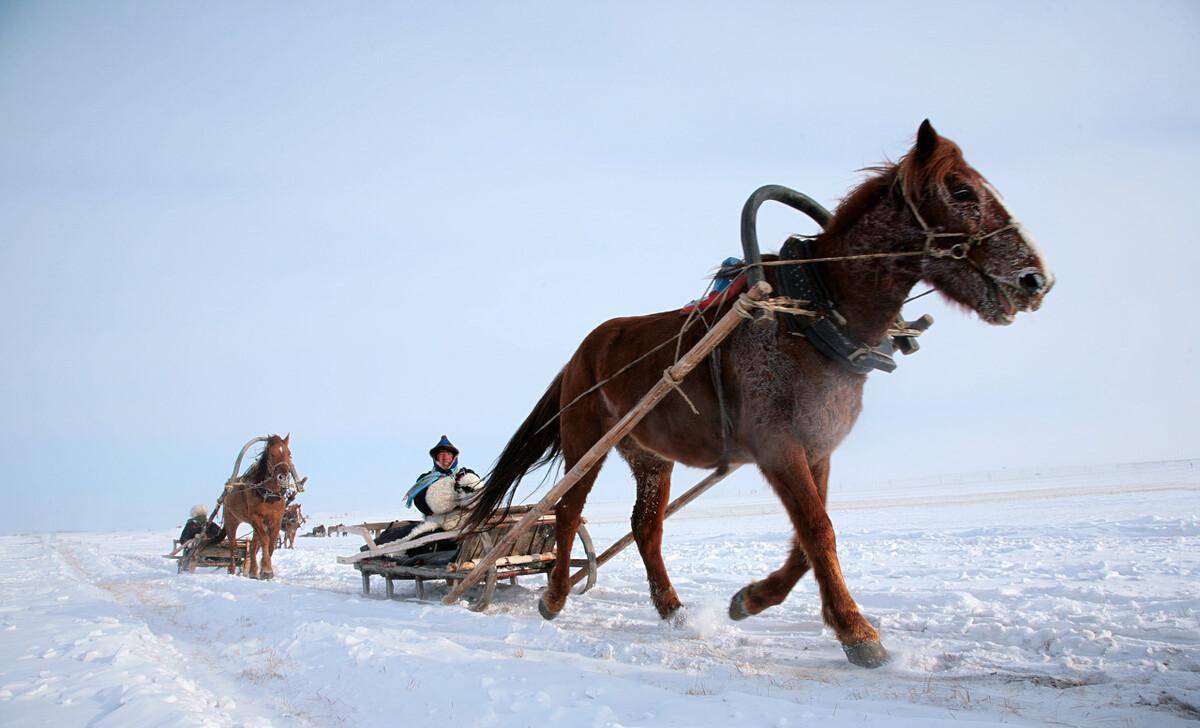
column 292, row 518
column 258, row 497
column 789, row 405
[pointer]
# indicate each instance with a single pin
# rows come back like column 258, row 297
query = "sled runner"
column 458, row 556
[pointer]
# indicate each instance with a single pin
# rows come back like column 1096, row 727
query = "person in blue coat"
column 445, row 462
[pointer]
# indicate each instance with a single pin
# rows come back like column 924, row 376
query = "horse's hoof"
column 676, row 617
column 266, row 575
column 545, row 611
column 737, row 605
column 869, row 654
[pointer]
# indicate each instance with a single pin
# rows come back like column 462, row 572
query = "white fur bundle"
column 440, row 497
column 448, row 497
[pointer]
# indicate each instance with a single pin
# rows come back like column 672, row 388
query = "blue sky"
column 372, row 225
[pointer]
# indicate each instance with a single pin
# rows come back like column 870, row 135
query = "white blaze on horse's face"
column 984, row 259
column 1026, row 237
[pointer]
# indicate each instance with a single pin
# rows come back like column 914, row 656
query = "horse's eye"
column 963, row 194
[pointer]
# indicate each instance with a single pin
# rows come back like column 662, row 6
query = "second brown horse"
column 258, row 497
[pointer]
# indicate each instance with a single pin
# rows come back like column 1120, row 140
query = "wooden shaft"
column 622, row 543
column 396, row 546
column 721, row 329
column 512, row 560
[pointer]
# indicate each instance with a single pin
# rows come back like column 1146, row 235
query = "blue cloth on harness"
column 730, row 268
column 428, row 479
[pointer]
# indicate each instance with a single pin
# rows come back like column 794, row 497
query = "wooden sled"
column 522, row 541
column 194, row 554
column 532, row 553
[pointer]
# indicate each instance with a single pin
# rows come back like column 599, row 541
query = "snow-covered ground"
column 1075, row 604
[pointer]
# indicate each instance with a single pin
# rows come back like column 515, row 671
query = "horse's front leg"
column 771, row 591
column 270, row 527
column 789, row 473
column 251, row 569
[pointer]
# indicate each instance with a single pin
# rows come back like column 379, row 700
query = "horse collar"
column 826, row 330
column 269, row 495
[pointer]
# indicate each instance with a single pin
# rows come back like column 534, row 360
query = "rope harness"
column 799, row 307
column 959, row 251
column 237, row 485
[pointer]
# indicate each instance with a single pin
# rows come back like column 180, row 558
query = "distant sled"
column 533, row 553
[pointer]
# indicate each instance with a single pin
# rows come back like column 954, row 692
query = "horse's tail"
column 537, row 442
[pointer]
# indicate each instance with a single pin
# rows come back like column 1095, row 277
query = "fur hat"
column 199, row 511
column 443, row 444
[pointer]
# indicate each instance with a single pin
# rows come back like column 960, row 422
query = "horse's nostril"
column 1031, row 282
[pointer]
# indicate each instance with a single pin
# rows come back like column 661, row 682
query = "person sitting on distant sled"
column 198, row 523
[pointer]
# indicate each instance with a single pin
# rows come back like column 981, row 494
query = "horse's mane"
column 257, row 469
column 915, row 176
column 861, row 199
column 920, row 175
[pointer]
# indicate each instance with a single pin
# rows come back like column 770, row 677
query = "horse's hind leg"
column 568, row 511
column 789, row 474
column 269, row 529
column 566, row 524
column 759, row 595
column 653, row 476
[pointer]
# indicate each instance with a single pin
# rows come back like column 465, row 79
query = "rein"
column 802, row 284
column 905, row 331
column 261, row 490
column 958, row 251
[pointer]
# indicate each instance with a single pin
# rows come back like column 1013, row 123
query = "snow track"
column 1077, row 609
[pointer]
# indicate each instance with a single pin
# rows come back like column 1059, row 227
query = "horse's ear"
column 286, row 438
column 927, row 141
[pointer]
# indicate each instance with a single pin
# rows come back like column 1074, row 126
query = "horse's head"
column 279, row 462
column 977, row 253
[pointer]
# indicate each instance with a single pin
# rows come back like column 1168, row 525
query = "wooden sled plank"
column 398, row 546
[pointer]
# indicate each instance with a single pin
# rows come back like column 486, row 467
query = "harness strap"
column 958, row 251
column 714, row 362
